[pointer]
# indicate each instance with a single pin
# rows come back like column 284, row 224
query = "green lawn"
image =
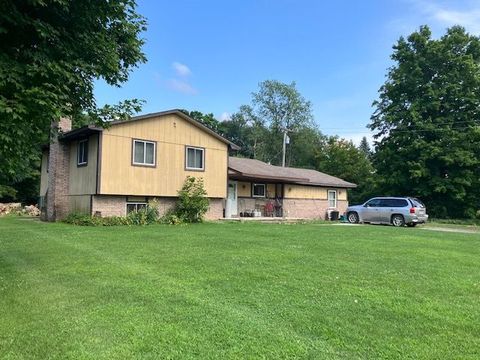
column 237, row 291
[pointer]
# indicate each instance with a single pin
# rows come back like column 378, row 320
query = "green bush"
column 192, row 201
column 145, row 216
column 82, row 220
column 170, row 218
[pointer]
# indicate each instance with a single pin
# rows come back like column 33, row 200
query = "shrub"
column 192, row 201
column 170, row 218
column 82, row 219
column 145, row 216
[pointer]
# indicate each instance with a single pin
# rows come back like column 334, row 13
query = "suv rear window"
column 394, row 203
column 417, row 203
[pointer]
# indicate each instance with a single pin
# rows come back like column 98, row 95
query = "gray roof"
column 256, row 169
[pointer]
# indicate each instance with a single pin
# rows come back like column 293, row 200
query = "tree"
column 341, row 158
column 248, row 131
column 208, row 120
column 192, row 203
column 275, row 107
column 365, row 147
column 427, row 122
column 51, row 52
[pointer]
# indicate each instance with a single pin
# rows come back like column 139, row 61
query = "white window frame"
column 186, row 158
column 85, row 162
column 136, row 205
column 334, row 199
column 264, row 190
column 144, row 163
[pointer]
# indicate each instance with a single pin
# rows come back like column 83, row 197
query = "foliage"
column 427, row 123
column 248, row 131
column 170, row 218
column 208, row 120
column 237, row 290
column 7, row 193
column 258, row 128
column 50, row 55
column 341, row 158
column 192, row 203
column 145, row 216
column 365, row 147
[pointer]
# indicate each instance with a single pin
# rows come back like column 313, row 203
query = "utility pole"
column 285, row 137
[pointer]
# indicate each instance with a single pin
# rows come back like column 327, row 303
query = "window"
column 143, row 153
column 195, row 158
column 82, row 152
column 393, row 203
column 332, row 198
column 258, row 190
column 417, row 203
column 134, row 207
column 373, row 203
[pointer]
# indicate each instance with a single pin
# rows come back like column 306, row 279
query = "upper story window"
column 194, row 158
column 144, row 152
column 82, row 152
column 258, row 190
column 332, row 198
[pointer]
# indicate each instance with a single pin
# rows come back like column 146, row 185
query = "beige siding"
column 80, row 204
column 171, row 133
column 83, row 179
column 304, row 192
column 44, row 174
column 244, row 189
column 271, row 191
column 311, row 192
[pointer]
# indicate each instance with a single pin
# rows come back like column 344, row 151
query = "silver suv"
column 398, row 211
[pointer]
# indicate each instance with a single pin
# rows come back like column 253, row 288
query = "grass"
column 237, row 291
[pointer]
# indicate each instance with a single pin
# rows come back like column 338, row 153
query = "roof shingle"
column 251, row 168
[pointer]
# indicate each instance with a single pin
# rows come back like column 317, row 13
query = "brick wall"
column 215, row 210
column 57, row 200
column 310, row 208
column 110, row 205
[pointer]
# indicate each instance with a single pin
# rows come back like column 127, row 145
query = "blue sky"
column 211, row 55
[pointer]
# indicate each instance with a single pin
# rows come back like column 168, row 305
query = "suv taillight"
column 412, row 210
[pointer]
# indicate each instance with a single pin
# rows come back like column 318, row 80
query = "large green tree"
column 275, row 107
column 51, row 52
column 427, row 122
column 341, row 158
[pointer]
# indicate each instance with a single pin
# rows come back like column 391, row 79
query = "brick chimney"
column 57, row 200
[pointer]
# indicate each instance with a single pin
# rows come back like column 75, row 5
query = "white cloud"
column 181, row 70
column 444, row 15
column 225, row 116
column 181, row 86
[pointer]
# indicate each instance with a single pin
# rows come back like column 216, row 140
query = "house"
column 113, row 171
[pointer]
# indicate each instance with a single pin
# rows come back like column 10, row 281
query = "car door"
column 370, row 211
column 385, row 210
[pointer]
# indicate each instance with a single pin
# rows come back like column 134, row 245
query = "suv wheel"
column 398, row 220
column 352, row 218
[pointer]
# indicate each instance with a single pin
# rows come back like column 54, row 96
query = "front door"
column 231, row 206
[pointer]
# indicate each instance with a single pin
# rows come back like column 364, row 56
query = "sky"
column 211, row 55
